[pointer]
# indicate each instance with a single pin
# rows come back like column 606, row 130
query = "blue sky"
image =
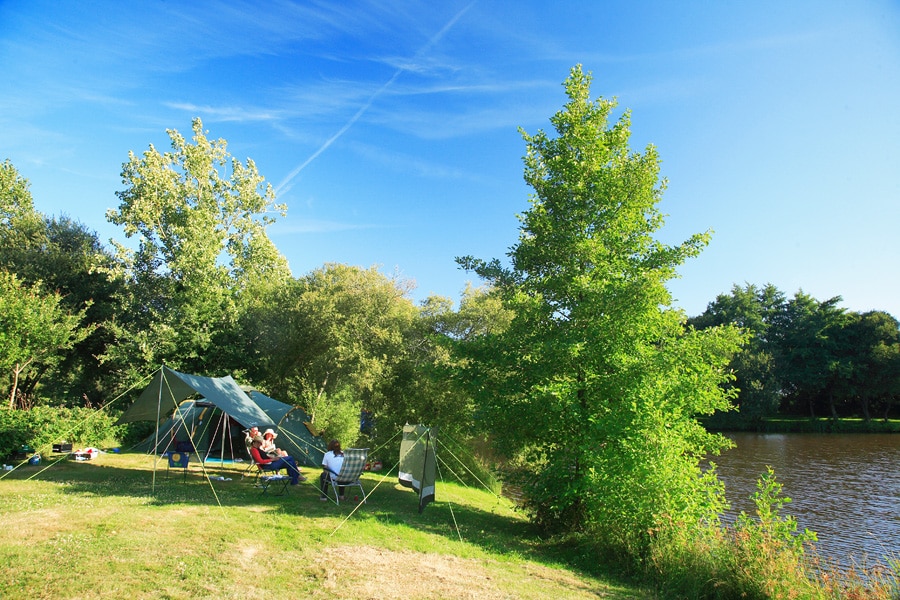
column 390, row 128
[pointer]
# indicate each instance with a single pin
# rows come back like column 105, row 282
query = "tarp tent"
column 295, row 432
column 417, row 462
column 169, row 388
column 169, row 393
column 216, row 421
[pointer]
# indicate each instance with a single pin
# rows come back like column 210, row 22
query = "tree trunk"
column 834, row 414
column 15, row 384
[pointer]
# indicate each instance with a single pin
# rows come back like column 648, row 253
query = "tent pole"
column 424, row 467
column 156, row 439
column 222, row 445
column 212, row 433
column 230, row 442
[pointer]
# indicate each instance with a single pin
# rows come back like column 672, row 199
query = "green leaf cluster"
column 199, row 218
column 35, row 328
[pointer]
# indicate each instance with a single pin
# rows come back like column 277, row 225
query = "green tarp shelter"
column 417, row 462
column 211, row 422
column 214, row 412
column 211, row 431
column 169, row 388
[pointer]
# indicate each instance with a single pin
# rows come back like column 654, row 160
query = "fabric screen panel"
column 417, row 462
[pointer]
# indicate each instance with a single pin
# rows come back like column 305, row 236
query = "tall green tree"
column 62, row 257
column 331, row 341
column 200, row 218
column 869, row 365
column 68, row 259
column 35, row 332
column 17, row 212
column 432, row 377
column 595, row 385
column 809, row 350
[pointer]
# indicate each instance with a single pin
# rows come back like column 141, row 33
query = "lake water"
column 845, row 487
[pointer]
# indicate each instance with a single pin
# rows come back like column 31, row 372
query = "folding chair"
column 178, row 460
column 252, row 467
column 351, row 469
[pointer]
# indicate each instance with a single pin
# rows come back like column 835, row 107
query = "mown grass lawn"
column 106, row 529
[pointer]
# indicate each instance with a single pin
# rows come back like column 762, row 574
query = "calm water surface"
column 845, row 487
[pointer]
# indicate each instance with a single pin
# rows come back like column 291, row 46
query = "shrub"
column 43, row 426
column 757, row 558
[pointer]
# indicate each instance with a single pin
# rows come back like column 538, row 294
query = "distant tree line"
column 807, row 357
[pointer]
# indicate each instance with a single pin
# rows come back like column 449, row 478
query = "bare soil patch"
column 375, row 573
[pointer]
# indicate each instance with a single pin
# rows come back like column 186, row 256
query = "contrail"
column 434, row 40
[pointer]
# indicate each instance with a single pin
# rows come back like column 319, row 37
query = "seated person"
column 331, row 466
column 249, row 435
column 268, row 445
column 272, row 464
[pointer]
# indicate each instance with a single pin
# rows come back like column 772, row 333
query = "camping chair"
column 351, row 469
column 252, row 467
column 178, row 460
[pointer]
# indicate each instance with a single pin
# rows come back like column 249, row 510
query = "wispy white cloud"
column 325, row 97
column 431, row 42
column 226, row 113
column 408, row 164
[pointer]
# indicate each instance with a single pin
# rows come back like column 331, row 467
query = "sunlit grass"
column 104, row 529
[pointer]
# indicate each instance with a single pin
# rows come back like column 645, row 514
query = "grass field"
column 108, row 528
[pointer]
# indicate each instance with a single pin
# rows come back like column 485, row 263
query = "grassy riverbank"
column 733, row 422
column 100, row 530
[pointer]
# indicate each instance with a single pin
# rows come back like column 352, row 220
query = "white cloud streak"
column 365, row 107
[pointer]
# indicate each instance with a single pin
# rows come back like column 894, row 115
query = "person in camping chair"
column 273, row 464
column 251, row 433
column 268, row 445
column 331, row 466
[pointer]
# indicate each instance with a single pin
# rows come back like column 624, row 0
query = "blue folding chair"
column 178, row 460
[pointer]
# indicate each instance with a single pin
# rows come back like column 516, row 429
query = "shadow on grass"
column 491, row 524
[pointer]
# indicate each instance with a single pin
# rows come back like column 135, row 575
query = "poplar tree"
column 199, row 216
column 594, row 388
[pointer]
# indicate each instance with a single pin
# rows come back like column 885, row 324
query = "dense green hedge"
column 43, row 426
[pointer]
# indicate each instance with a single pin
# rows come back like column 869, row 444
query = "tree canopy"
column 595, row 385
column 807, row 356
column 200, row 217
column 35, row 329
